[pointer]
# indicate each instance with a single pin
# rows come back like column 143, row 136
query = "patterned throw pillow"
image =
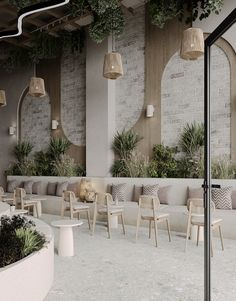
column 151, row 190
column 90, row 196
column 61, row 187
column 11, row 185
column 222, row 197
column 28, row 185
column 119, row 192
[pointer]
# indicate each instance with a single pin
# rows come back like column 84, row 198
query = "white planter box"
column 30, row 278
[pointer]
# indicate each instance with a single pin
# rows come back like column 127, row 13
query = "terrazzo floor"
column 118, row 269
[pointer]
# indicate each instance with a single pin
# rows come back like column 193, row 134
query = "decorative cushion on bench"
column 233, row 197
column 12, row 185
column 222, row 197
column 36, row 187
column 151, row 189
column 28, row 185
column 61, row 187
column 74, row 187
column 119, row 192
column 51, row 190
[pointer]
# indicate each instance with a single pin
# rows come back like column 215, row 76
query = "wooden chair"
column 5, row 198
column 20, row 197
column 151, row 204
column 70, row 203
column 104, row 205
column 196, row 218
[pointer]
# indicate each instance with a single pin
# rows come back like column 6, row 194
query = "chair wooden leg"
column 62, row 209
column 211, row 244
column 150, row 229
column 137, row 226
column 198, row 231
column 94, row 220
column 221, row 238
column 155, row 230
column 168, row 229
column 109, row 225
column 88, row 217
column 122, row 221
column 187, row 235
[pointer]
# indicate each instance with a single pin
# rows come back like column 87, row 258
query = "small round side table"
column 66, row 240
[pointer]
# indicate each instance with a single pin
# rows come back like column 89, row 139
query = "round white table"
column 66, row 240
column 18, row 211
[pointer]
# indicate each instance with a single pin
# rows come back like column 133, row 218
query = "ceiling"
column 50, row 21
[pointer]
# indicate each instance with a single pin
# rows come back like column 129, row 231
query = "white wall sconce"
column 12, row 130
column 55, row 124
column 150, row 111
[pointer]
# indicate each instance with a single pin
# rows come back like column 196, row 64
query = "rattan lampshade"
column 3, row 101
column 192, row 46
column 112, row 67
column 36, row 87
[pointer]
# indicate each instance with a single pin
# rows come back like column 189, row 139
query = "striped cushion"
column 151, row 190
column 222, row 197
column 119, row 192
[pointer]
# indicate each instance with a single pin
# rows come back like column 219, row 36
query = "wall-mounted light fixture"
column 150, row 111
column 55, row 124
column 12, row 130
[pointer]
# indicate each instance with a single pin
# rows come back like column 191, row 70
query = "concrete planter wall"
column 30, row 278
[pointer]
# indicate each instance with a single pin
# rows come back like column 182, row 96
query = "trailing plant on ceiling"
column 163, row 10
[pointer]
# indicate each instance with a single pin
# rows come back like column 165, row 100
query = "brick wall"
column 182, row 99
column 36, row 121
column 73, row 97
column 130, row 87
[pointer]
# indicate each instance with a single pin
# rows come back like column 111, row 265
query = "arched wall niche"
column 34, row 120
column 182, row 98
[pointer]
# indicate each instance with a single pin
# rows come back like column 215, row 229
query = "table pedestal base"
column 66, row 242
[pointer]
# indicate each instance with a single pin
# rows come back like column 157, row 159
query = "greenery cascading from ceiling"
column 189, row 10
column 108, row 18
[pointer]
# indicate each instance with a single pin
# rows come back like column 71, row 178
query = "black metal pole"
column 216, row 34
column 207, row 176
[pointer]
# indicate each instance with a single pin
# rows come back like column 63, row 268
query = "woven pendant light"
column 36, row 87
column 192, row 45
column 3, row 101
column 112, row 67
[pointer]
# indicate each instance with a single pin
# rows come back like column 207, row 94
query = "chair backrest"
column 1, row 190
column 149, row 202
column 104, row 199
column 197, row 206
column 69, row 196
column 19, row 194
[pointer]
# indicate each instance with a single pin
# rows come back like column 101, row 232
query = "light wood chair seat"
column 159, row 217
column 196, row 218
column 80, row 206
column 151, row 203
column 104, row 205
column 69, row 203
column 199, row 221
